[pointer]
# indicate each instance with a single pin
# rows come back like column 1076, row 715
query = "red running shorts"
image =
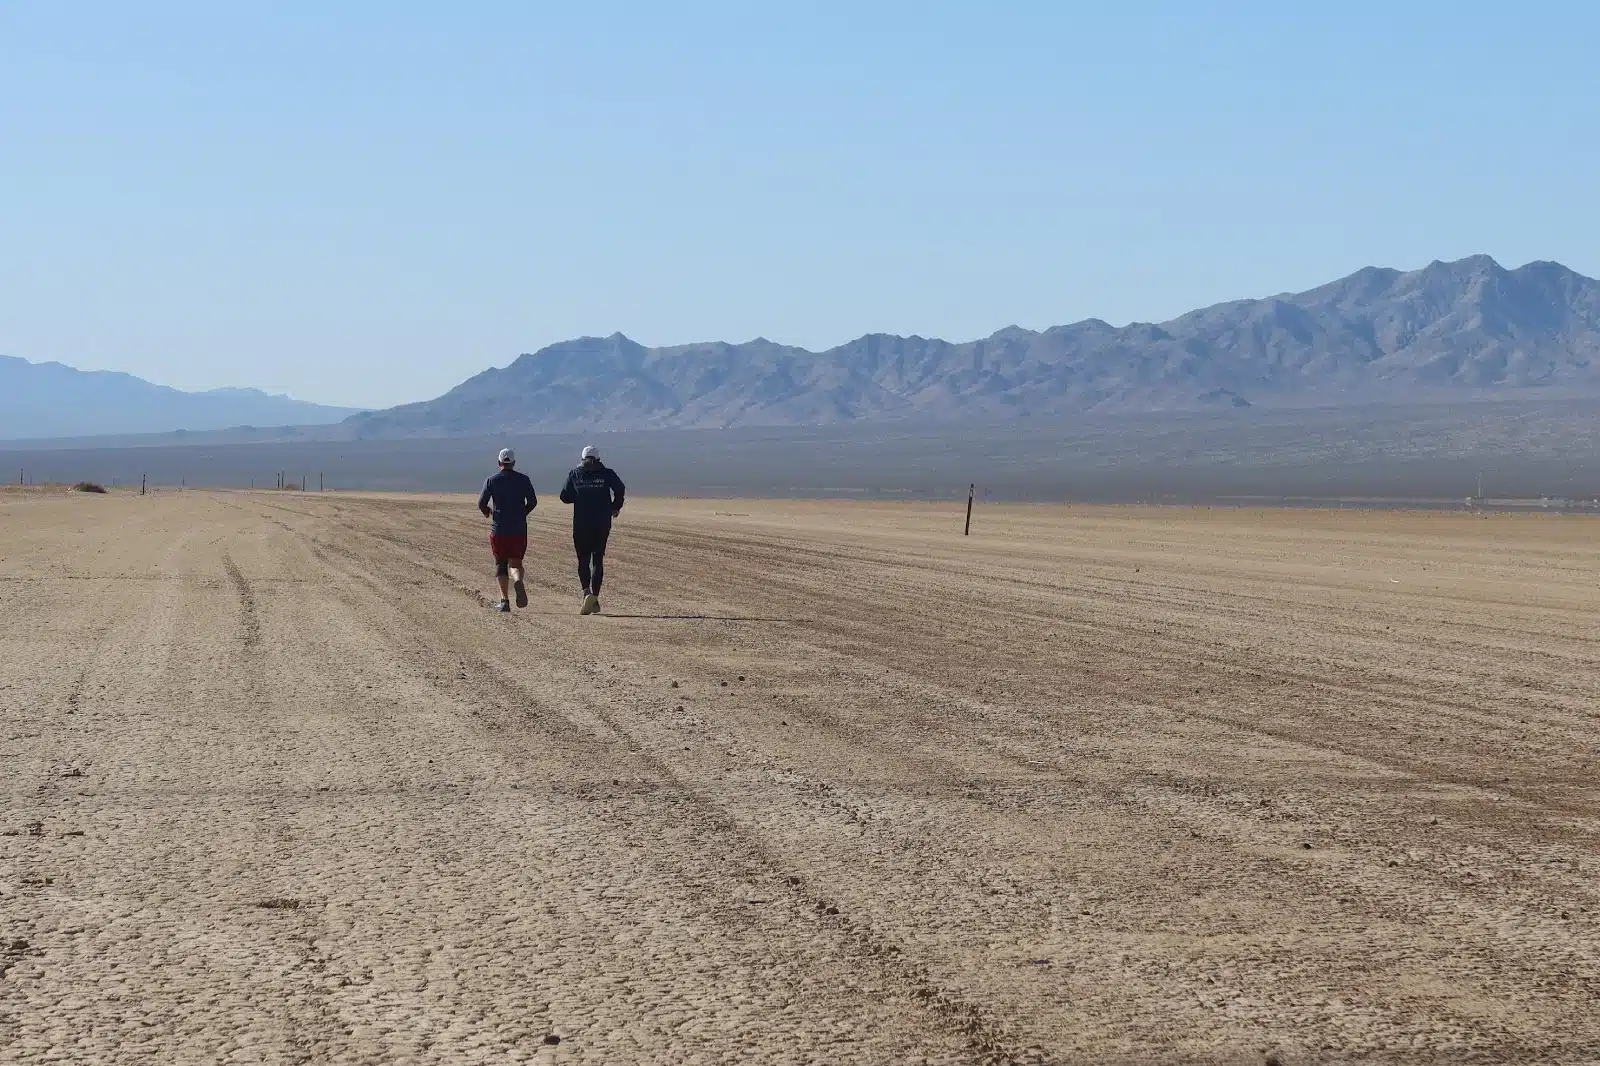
column 508, row 547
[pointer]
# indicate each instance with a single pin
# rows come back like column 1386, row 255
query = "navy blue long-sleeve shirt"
column 513, row 497
column 595, row 492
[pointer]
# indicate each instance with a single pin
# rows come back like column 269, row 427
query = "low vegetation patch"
column 88, row 486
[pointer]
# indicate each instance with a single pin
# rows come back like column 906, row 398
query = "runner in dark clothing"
column 512, row 495
column 595, row 492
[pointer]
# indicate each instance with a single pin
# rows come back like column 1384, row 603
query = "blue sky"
column 366, row 202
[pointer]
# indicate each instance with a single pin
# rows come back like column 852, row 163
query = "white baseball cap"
column 589, row 453
column 507, row 455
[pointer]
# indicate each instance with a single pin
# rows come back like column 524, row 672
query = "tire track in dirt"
column 312, row 1031
column 985, row 1037
column 982, row 1035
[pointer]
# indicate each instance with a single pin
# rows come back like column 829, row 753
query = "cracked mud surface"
column 827, row 783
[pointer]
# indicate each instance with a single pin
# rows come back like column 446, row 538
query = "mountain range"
column 1469, row 329
column 53, row 400
column 1449, row 332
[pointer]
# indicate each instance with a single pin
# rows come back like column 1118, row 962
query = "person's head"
column 590, row 455
column 508, row 458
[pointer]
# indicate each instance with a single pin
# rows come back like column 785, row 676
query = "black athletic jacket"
column 512, row 495
column 595, row 492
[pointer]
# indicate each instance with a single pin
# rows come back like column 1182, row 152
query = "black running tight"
column 591, row 547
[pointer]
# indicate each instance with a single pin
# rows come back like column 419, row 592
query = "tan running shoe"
column 591, row 604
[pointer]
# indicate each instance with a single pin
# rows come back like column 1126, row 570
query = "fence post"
column 967, row 530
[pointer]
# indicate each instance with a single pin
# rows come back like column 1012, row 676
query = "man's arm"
column 483, row 501
column 532, row 500
column 568, row 493
column 618, row 490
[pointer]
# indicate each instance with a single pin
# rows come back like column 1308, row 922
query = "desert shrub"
column 88, row 486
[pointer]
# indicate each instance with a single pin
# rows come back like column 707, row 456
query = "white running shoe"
column 591, row 604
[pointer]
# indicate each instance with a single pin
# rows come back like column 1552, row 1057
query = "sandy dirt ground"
column 827, row 783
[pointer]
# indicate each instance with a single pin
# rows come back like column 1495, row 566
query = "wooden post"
column 142, row 478
column 967, row 532
column 319, row 482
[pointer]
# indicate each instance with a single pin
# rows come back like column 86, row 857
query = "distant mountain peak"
column 1012, row 333
column 232, row 390
column 1469, row 266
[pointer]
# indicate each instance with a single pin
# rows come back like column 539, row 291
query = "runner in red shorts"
column 511, row 494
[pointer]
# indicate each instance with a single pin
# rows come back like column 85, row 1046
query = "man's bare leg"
column 516, row 583
column 505, row 586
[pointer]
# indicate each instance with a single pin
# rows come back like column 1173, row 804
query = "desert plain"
column 826, row 783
